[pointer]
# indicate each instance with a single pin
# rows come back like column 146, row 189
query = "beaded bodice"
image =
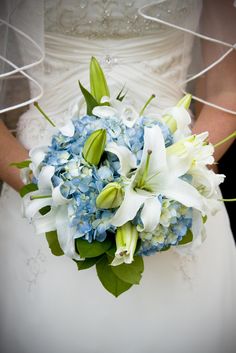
column 108, row 18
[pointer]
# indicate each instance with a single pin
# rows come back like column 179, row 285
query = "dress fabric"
column 185, row 303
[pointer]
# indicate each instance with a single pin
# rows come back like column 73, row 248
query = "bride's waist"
column 154, row 48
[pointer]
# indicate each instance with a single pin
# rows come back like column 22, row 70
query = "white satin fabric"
column 183, row 304
column 145, row 65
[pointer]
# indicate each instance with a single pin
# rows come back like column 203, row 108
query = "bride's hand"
column 10, row 151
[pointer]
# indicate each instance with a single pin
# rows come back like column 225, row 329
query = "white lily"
column 207, row 182
column 178, row 118
column 158, row 174
column 57, row 217
column 124, row 110
column 36, row 156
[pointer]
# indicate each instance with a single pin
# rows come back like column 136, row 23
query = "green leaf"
column 120, row 97
column 90, row 100
column 27, row 188
column 98, row 83
column 130, row 273
column 53, row 243
column 87, row 263
column 165, row 248
column 45, row 210
column 138, row 246
column 94, row 249
column 112, row 250
column 188, row 238
column 21, row 165
column 109, row 280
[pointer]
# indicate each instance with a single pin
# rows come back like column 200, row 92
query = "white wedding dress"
column 185, row 303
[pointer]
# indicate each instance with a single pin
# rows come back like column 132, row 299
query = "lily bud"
column 179, row 147
column 126, row 242
column 98, row 83
column 110, row 197
column 185, row 101
column 170, row 122
column 94, row 146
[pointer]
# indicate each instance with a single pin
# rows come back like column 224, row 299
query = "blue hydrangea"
column 82, row 183
column 169, row 232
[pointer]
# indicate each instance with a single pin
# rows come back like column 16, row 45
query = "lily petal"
column 153, row 141
column 178, row 165
column 125, row 156
column 31, row 207
column 68, row 129
column 129, row 115
column 44, row 178
column 104, row 111
column 117, row 261
column 129, row 207
column 66, row 233
column 46, row 223
column 184, row 193
column 150, row 214
column 37, row 155
column 182, row 117
column 58, row 198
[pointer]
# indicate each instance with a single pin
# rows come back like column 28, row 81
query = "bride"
column 185, row 303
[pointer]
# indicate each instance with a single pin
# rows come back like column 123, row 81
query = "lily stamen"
column 146, row 104
column 141, row 183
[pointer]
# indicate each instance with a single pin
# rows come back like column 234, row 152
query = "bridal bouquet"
column 116, row 184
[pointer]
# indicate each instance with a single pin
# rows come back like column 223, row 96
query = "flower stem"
column 233, row 135
column 45, row 115
column 227, row 200
column 36, row 197
column 146, row 104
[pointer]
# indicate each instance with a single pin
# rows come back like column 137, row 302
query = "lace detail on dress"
column 35, row 268
column 107, row 18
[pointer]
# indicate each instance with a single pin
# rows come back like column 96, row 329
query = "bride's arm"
column 219, row 84
column 10, row 151
column 218, row 123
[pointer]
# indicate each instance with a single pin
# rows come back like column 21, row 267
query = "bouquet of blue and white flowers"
column 116, row 185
